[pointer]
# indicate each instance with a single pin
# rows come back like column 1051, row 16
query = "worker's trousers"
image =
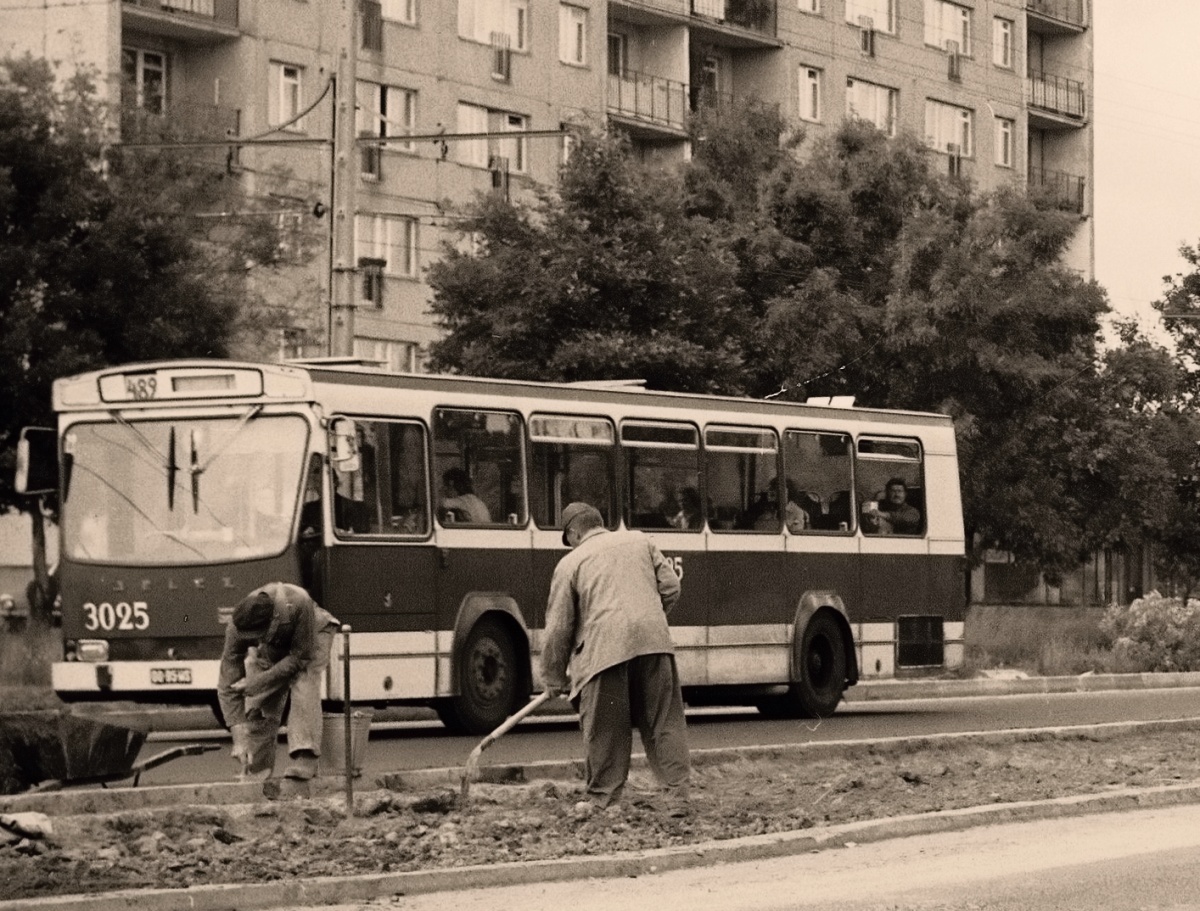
column 264, row 713
column 643, row 693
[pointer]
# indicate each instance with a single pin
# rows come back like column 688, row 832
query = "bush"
column 1154, row 634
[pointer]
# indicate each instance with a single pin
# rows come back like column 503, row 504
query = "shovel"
column 472, row 766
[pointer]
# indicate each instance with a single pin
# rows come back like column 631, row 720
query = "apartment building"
column 999, row 89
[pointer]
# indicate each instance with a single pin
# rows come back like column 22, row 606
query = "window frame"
column 521, row 460
column 855, row 9
column 720, row 449
column 1003, row 43
column 963, row 130
column 953, row 24
column 478, row 20
column 344, row 536
column 895, row 459
column 408, row 15
column 141, row 66
column 610, row 446
column 573, row 29
column 891, row 97
column 628, row 447
column 288, row 96
column 1006, row 144
column 810, row 92
column 381, row 242
column 851, row 523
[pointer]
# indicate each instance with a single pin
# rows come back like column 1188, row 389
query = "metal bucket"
column 333, row 741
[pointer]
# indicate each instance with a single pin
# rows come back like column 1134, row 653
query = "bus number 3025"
column 121, row 615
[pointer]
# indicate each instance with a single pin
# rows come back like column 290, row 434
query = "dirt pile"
column 398, row 830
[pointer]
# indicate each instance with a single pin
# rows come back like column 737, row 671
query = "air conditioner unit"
column 498, row 165
column 954, row 58
column 501, row 56
column 866, row 35
column 954, row 153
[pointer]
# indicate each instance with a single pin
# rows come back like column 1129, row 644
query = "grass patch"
column 1040, row 640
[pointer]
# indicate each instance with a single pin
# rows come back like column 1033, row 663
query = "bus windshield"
column 181, row 491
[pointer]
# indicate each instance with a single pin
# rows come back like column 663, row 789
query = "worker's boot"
column 303, row 766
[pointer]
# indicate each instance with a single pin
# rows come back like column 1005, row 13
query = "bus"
column 424, row 512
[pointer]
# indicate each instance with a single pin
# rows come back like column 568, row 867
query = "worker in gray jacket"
column 608, row 645
column 292, row 637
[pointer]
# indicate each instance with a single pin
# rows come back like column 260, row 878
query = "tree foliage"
column 101, row 258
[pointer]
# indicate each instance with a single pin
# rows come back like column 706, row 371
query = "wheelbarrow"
column 46, row 751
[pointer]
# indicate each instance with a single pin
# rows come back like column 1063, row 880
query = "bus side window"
column 662, row 469
column 819, row 472
column 388, row 493
column 890, row 479
column 479, row 468
column 741, row 469
column 571, row 459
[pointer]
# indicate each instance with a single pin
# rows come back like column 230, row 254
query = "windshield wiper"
column 197, row 469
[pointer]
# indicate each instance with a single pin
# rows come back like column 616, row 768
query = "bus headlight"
column 91, row 650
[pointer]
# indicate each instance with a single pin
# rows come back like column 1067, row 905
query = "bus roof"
column 297, row 381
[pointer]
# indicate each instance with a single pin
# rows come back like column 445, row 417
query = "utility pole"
column 343, row 268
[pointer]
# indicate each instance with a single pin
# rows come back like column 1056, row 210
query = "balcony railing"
column 651, row 99
column 1070, row 11
column 182, row 121
column 1057, row 94
column 1067, row 190
column 220, row 12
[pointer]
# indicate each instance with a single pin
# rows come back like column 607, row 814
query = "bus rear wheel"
column 489, row 679
column 821, row 677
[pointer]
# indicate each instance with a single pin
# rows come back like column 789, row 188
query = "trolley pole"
column 349, row 733
column 343, row 267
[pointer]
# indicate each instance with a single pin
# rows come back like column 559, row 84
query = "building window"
column 1002, row 43
column 882, row 14
column 618, row 53
column 572, row 34
column 1005, row 147
column 387, row 239
column 286, row 95
column 384, row 110
column 400, row 11
column 948, row 22
column 490, row 152
column 145, row 80
column 876, row 104
column 948, row 128
column 400, row 357
column 478, row 20
column 810, row 94
column 809, row 6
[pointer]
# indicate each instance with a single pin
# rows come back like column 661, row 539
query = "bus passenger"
column 459, row 500
column 292, row 636
column 607, row 643
column 893, row 515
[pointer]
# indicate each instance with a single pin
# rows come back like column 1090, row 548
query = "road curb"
column 366, row 887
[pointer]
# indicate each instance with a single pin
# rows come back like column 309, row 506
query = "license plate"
column 168, row 675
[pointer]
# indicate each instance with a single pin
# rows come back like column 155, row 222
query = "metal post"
column 349, row 745
column 343, row 267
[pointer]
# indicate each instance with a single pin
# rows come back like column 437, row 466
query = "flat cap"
column 573, row 512
column 252, row 617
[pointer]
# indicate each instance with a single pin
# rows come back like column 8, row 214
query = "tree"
column 100, row 259
column 610, row 278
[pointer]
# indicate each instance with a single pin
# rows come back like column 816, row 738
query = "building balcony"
column 736, row 23
column 1055, row 102
column 638, row 99
column 180, row 121
column 189, row 21
column 649, row 11
column 1069, row 191
column 1061, row 17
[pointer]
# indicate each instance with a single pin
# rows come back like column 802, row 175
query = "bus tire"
column 822, row 667
column 489, row 679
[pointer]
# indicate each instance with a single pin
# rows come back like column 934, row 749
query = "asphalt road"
column 418, row 745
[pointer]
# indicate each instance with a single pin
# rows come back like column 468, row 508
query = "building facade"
column 1000, row 90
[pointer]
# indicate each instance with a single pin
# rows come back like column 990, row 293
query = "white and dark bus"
column 424, row 511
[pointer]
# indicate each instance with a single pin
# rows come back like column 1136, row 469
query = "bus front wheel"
column 488, row 677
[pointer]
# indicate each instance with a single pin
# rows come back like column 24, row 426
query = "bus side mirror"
column 343, row 446
column 37, row 461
